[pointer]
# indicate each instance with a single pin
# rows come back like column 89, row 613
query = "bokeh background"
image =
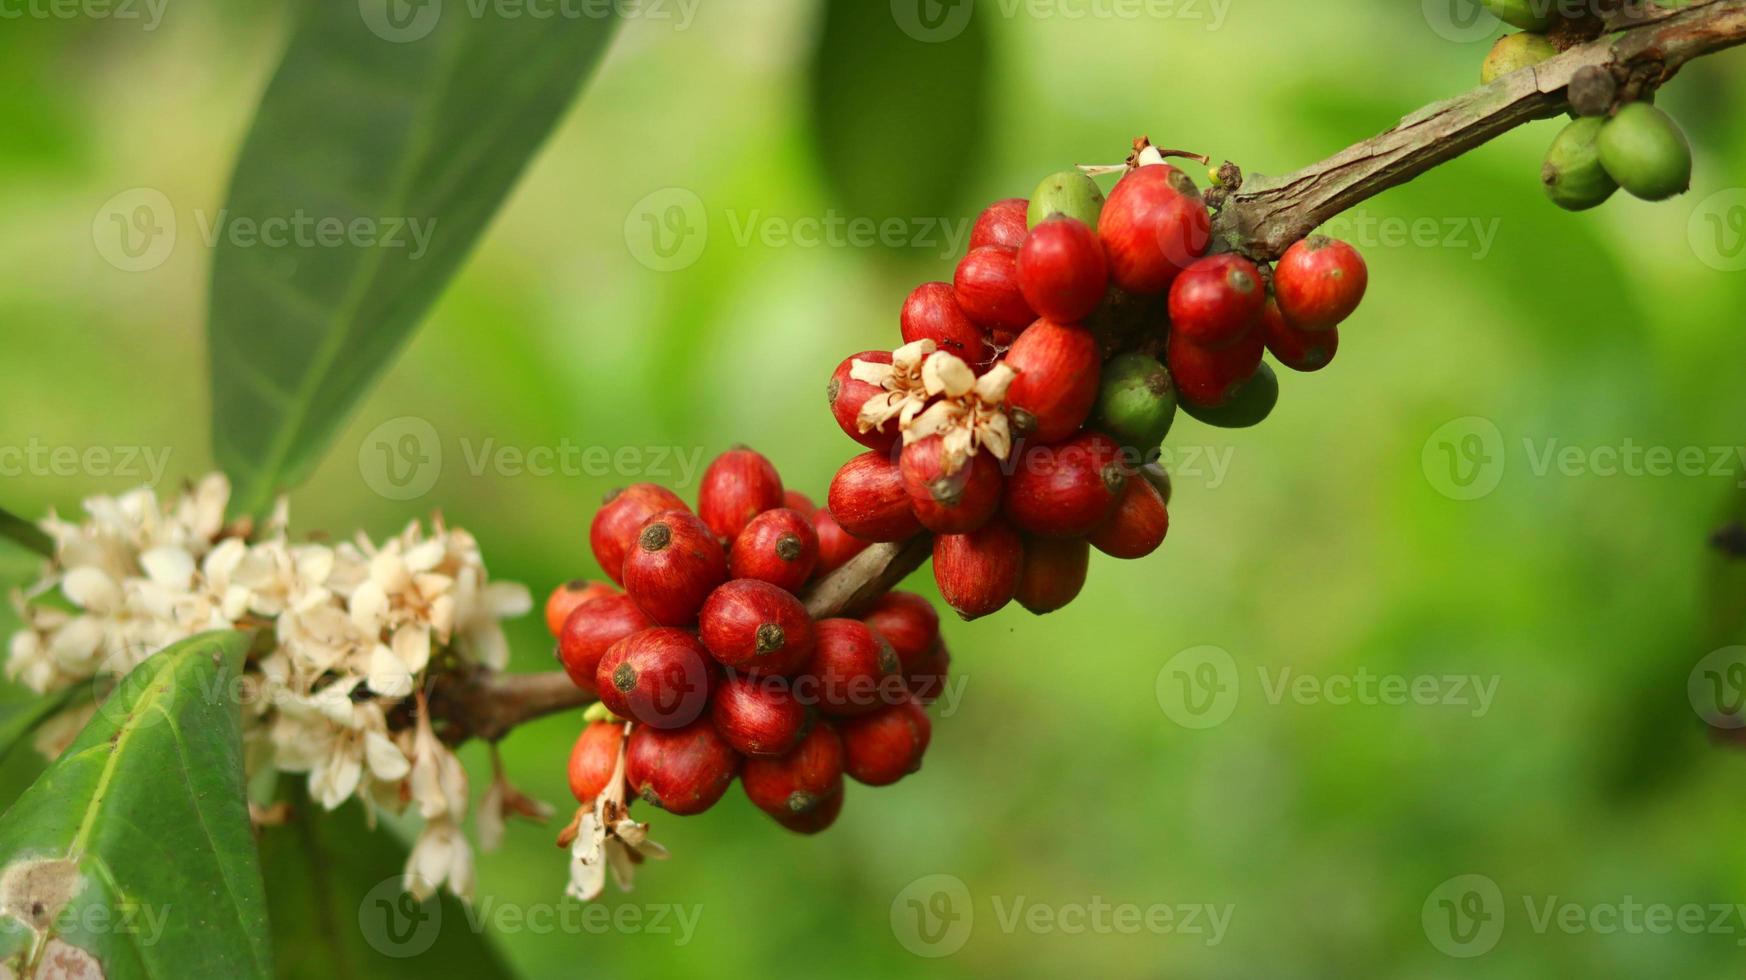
column 1335, row 542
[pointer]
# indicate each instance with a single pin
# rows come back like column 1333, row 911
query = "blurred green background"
column 1330, row 542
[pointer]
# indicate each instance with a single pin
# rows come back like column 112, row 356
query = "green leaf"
column 134, row 847
column 418, row 141
column 899, row 94
column 20, row 531
column 338, row 912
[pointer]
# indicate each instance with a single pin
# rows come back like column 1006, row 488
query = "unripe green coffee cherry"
column 1646, row 152
column 1573, row 175
column 1251, row 404
column 1529, row 15
column 1512, row 53
column 1070, row 193
column 1136, row 403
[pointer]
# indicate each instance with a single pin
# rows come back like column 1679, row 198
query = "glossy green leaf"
column 379, row 152
column 133, row 853
column 25, row 534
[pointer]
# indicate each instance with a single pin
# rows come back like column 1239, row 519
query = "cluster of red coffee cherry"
column 1096, row 319
column 713, row 658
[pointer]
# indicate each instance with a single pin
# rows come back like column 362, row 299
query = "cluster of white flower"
column 969, row 414
column 140, row 575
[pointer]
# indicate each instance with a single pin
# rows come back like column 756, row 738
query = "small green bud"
column 1068, row 192
column 1573, row 175
column 1512, row 53
column 1250, row 405
column 1529, row 15
column 1646, row 152
column 1136, row 402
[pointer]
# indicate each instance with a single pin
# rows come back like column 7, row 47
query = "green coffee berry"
column 1136, row 403
column 1512, row 53
column 1573, row 175
column 1069, row 192
column 1529, row 15
column 1646, row 152
column 1250, row 405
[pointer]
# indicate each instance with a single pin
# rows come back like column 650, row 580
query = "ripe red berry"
column 1066, row 489
column 1061, row 270
column 1153, row 226
column 616, row 523
column 755, row 627
column 683, row 771
column 779, row 546
column 1054, row 572
column 660, row 677
column 1002, row 223
column 853, row 670
column 739, row 485
column 848, row 395
column 887, row 745
column 594, row 758
column 676, row 564
column 1217, row 301
column 1300, row 350
column 949, row 504
column 568, row 596
column 798, row 783
column 932, row 313
column 1137, row 527
column 908, row 622
column 1319, row 282
column 978, row 573
column 799, row 502
column 757, row 716
column 928, row 679
column 987, row 288
column 1056, row 386
column 592, row 629
column 817, row 818
column 1208, row 378
column 867, row 498
column 835, row 545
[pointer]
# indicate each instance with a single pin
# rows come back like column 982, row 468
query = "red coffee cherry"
column 738, row 486
column 978, row 573
column 594, row 758
column 616, row 523
column 800, row 782
column 1300, row 350
column 568, row 596
column 757, row 716
column 676, row 564
column 592, row 629
column 1061, row 270
column 1002, row 223
column 755, row 627
column 853, row 670
column 816, row 818
column 779, row 546
column 1319, row 282
column 909, row 623
column 835, row 545
column 1056, row 387
column 1153, row 226
column 963, row 501
column 868, row 500
column 1054, row 572
column 1217, row 301
column 928, row 678
column 1208, row 378
column 887, row 745
column 932, row 313
column 683, row 771
column 987, row 288
column 1137, row 527
column 848, row 395
column 660, row 677
column 800, row 503
column 1066, row 489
